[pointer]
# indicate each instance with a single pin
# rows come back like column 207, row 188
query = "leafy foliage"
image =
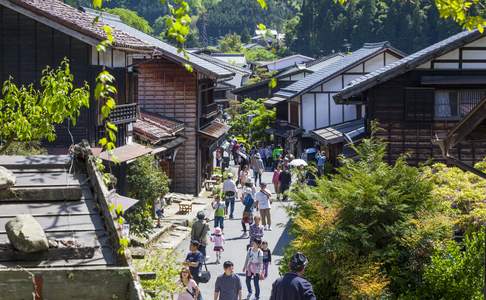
column 250, row 119
column 456, row 271
column 131, row 18
column 369, row 229
column 408, row 25
column 146, row 182
column 164, row 264
column 230, row 43
column 28, row 114
column 259, row 54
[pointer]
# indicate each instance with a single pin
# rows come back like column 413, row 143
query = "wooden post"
column 38, row 282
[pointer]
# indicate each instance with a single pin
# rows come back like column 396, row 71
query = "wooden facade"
column 419, row 105
column 27, row 46
column 168, row 89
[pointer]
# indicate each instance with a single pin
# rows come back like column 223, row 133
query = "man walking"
column 258, row 167
column 263, row 202
column 228, row 285
column 199, row 232
column 194, row 260
column 230, row 192
column 292, row 286
column 285, row 179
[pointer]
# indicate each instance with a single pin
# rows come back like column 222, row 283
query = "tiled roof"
column 79, row 21
column 340, row 132
column 155, row 128
column 334, row 69
column 166, row 49
column 215, row 129
column 407, row 63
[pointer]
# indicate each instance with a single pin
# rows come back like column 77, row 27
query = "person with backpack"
column 230, row 192
column 285, row 179
column 247, row 198
column 194, row 260
column 292, row 286
column 199, row 232
column 253, row 268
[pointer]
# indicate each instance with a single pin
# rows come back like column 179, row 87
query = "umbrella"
column 311, row 150
column 298, row 162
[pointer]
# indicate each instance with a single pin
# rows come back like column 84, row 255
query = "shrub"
column 369, row 229
column 146, row 182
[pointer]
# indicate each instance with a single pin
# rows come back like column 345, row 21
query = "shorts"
column 218, row 248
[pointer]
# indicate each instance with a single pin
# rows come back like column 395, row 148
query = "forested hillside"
column 312, row 27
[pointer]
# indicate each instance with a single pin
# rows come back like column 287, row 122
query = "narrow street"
column 235, row 247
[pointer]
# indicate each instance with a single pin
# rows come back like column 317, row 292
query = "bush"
column 370, row 229
column 259, row 54
column 456, row 271
column 146, row 182
column 164, row 264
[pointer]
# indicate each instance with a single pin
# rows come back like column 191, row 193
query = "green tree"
column 456, row 271
column 250, row 119
column 230, row 43
column 131, row 18
column 369, row 229
column 28, row 114
column 259, row 54
column 147, row 183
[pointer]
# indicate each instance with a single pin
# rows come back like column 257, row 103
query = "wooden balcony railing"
column 210, row 110
column 124, row 113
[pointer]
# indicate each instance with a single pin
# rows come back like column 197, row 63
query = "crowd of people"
column 255, row 221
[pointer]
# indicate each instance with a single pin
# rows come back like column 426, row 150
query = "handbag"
column 204, row 276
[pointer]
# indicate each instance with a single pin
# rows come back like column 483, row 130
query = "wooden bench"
column 209, row 184
column 185, row 207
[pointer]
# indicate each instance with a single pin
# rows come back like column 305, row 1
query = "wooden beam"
column 467, row 125
column 147, row 275
column 466, row 167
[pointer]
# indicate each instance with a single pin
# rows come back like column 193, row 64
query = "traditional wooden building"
column 307, row 102
column 165, row 87
column 35, row 34
column 424, row 96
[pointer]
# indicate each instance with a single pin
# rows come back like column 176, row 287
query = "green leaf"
column 97, row 4
column 263, row 4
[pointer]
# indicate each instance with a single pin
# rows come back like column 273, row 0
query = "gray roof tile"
column 166, row 49
column 406, row 64
column 334, row 69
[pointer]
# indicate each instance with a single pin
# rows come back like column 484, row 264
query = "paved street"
column 235, row 247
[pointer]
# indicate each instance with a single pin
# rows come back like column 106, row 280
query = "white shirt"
column 263, row 200
column 229, row 186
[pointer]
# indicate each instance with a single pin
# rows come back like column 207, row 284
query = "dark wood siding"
column 168, row 89
column 412, row 133
column 27, row 47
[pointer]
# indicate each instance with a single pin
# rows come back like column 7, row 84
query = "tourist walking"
column 263, row 203
column 219, row 209
column 243, row 175
column 228, row 285
column 276, row 181
column 253, row 268
column 276, row 155
column 194, row 260
column 199, row 232
column 267, row 258
column 230, row 192
column 321, row 162
column 189, row 288
column 285, row 179
column 217, row 238
column 268, row 155
column 292, row 286
column 256, row 230
column 258, row 168
column 248, row 200
column 263, row 156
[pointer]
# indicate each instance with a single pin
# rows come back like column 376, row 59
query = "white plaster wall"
column 473, row 54
column 440, row 65
column 474, row 66
column 357, row 69
column 322, row 105
column 349, row 112
column 478, row 43
column 308, row 111
column 374, row 63
column 390, row 58
column 454, row 54
column 336, row 112
column 334, row 84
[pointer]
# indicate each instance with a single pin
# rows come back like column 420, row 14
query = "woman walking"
column 276, row 181
column 190, row 290
column 253, row 268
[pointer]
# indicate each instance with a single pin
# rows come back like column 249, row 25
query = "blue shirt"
column 292, row 287
column 195, row 257
column 321, row 160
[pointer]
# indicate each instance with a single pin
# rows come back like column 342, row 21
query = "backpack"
column 248, row 200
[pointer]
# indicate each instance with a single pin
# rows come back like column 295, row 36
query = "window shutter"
column 419, row 104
